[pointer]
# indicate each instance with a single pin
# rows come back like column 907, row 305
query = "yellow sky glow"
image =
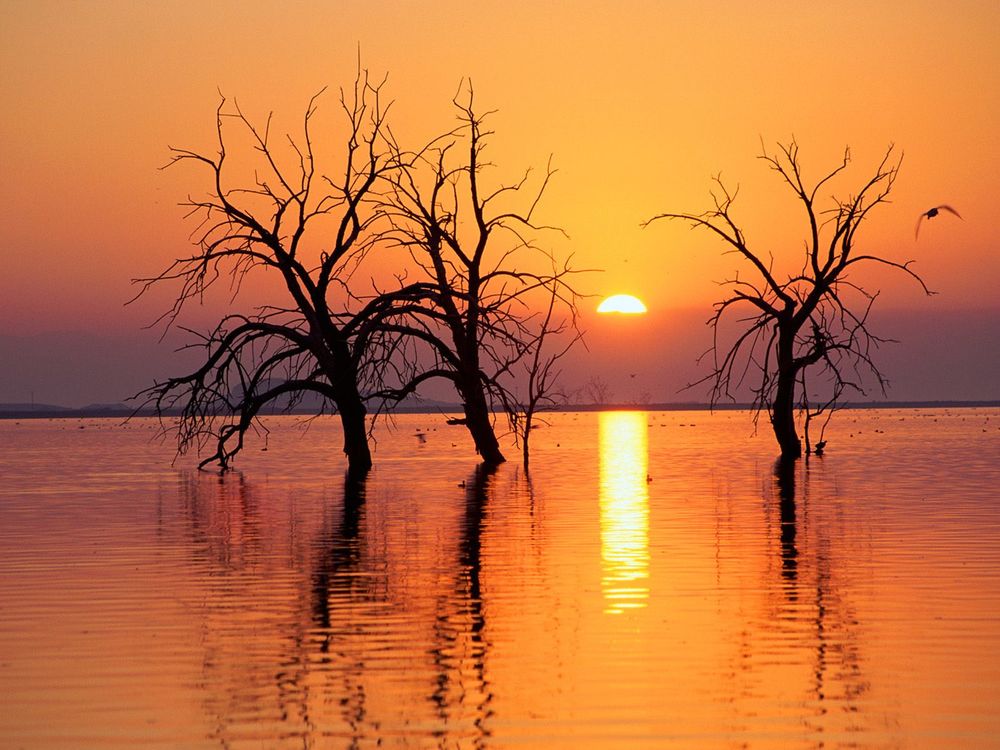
column 672, row 94
column 639, row 105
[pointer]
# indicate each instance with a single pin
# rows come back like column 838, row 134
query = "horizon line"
column 119, row 411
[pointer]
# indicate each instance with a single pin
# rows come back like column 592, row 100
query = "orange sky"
column 640, row 103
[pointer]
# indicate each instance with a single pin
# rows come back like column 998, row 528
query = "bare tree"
column 306, row 230
column 831, row 403
column 815, row 319
column 473, row 251
column 541, row 370
column 597, row 391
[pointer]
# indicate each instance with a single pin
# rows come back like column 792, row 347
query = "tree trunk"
column 529, row 414
column 783, row 407
column 477, row 419
column 352, row 418
column 339, row 366
column 783, row 418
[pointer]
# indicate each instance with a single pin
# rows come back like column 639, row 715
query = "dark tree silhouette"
column 541, row 370
column 597, row 391
column 307, row 231
column 815, row 319
column 470, row 304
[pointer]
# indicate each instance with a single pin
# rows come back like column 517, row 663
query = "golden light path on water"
column 624, row 501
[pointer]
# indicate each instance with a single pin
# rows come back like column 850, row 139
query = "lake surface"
column 651, row 583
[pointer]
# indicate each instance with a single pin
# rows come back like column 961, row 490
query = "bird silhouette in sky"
column 931, row 213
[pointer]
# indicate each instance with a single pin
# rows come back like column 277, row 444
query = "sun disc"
column 622, row 303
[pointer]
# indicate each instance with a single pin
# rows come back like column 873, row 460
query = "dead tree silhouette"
column 481, row 276
column 542, row 373
column 462, row 306
column 815, row 318
column 307, row 341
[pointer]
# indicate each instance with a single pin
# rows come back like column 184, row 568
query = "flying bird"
column 931, row 213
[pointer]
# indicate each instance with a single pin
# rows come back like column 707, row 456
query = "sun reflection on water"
column 624, row 500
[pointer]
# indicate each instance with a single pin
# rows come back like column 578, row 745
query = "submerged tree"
column 307, row 343
column 815, row 319
column 476, row 273
column 541, row 374
column 460, row 305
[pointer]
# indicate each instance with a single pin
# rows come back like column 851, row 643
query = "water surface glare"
column 654, row 581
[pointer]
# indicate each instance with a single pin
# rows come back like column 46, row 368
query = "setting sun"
column 622, row 303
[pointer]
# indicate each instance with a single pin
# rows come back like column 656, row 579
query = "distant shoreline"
column 48, row 411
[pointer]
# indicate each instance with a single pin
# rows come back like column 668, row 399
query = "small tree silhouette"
column 815, row 319
column 597, row 391
column 541, row 370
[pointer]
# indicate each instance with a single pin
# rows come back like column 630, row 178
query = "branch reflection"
column 298, row 607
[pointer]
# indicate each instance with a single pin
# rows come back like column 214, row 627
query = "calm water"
column 653, row 583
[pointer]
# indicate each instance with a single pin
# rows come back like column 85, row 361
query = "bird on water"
column 931, row 213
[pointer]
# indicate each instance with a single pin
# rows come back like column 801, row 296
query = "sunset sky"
column 640, row 104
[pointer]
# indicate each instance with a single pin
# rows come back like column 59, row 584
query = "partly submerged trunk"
column 783, row 421
column 478, row 418
column 351, row 407
column 480, row 423
column 352, row 418
column 783, row 406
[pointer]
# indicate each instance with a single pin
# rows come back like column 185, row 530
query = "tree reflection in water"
column 337, row 579
column 296, row 623
column 815, row 600
column 461, row 644
column 843, row 603
column 784, row 478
